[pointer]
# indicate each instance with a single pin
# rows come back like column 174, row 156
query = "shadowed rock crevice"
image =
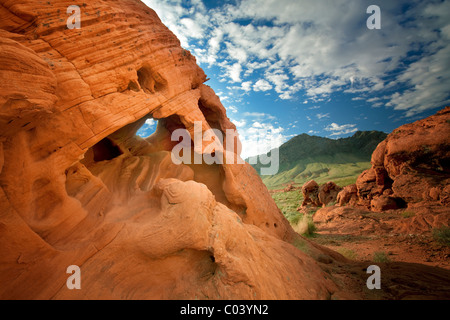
column 105, row 150
column 211, row 117
column 149, row 81
column 133, row 86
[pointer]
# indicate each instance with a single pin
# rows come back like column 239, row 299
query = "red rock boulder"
column 348, row 195
column 328, row 193
column 310, row 191
column 413, row 163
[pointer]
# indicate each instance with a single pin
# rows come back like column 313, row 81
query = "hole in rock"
column 149, row 81
column 388, row 182
column 148, row 128
column 401, row 203
column 161, row 139
column 141, row 147
column 105, row 150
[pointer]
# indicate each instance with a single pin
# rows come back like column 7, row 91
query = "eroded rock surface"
column 319, row 196
column 348, row 195
column 411, row 165
column 310, row 191
column 328, row 193
column 78, row 187
column 411, row 173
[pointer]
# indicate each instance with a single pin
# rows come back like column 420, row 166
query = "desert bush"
column 305, row 226
column 348, row 253
column 408, row 214
column 442, row 235
column 381, row 256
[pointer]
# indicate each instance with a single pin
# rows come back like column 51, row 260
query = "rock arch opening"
column 147, row 128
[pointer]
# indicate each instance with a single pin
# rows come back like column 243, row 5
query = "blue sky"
column 286, row 67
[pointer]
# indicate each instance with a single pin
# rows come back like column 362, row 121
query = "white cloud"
column 279, row 79
column 259, row 115
column 239, row 123
column 260, row 139
column 322, row 115
column 236, row 53
column 246, row 86
column 232, row 109
column 429, row 79
column 195, row 30
column 259, row 133
column 262, row 85
column 257, row 124
column 234, row 72
column 321, row 47
column 147, row 128
column 341, row 129
column 150, row 122
column 374, row 99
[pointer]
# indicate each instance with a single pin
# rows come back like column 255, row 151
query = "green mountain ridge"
column 306, row 157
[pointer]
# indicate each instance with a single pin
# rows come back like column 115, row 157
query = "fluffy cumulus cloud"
column 262, row 85
column 306, row 52
column 259, row 136
column 318, row 48
column 150, row 122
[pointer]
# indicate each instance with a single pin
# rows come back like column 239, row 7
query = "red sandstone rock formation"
column 328, row 193
column 410, row 169
column 78, row 187
column 348, row 195
column 319, row 196
column 310, row 191
column 288, row 188
column 411, row 165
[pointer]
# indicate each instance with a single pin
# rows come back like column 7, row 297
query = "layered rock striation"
column 78, row 187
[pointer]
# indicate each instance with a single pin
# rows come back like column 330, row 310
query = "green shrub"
column 348, row 253
column 381, row 256
column 442, row 235
column 408, row 214
column 305, row 226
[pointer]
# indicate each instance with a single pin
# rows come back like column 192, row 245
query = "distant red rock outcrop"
column 348, row 195
column 410, row 170
column 319, row 195
column 411, row 165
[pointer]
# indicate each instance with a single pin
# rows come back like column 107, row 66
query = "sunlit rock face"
column 78, row 187
column 410, row 166
column 410, row 169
